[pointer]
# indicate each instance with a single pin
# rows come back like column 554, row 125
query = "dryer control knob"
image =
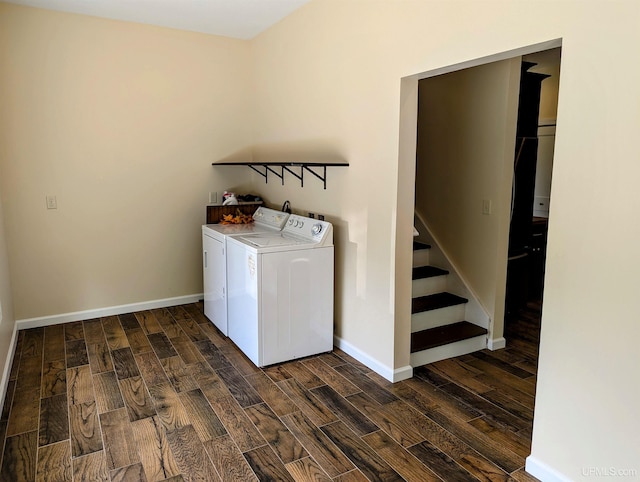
column 316, row 229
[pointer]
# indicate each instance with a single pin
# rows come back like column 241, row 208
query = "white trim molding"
column 542, row 471
column 496, row 343
column 393, row 375
column 107, row 311
column 8, row 362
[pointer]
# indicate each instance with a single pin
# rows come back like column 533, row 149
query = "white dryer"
column 280, row 291
column 214, row 260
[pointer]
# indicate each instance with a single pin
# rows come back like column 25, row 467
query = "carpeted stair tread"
column 417, row 245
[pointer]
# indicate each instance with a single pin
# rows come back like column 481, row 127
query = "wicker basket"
column 215, row 211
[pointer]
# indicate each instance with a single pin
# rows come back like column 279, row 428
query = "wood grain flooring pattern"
column 54, row 342
column 190, row 455
column 91, row 467
column 124, row 364
column 120, row 447
column 54, row 463
column 54, row 378
column 19, row 458
column 151, row 369
column 371, row 464
column 228, row 459
column 76, row 353
column 33, row 343
column 333, row 461
column 411, row 469
column 23, row 416
column 169, row 408
column 204, row 420
column 178, row 374
column 266, row 465
column 113, row 332
column 155, row 455
column 99, row 357
column 93, row 332
column 136, row 398
column 79, row 385
column 84, row 426
column 162, row 395
column 307, row 469
column 54, row 420
column 148, row 322
column 107, row 392
column 73, row 331
column 285, row 445
column 130, row 473
column 138, row 340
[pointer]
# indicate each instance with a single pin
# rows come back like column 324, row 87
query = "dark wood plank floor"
column 162, row 395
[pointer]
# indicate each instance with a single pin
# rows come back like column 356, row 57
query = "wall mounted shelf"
column 297, row 169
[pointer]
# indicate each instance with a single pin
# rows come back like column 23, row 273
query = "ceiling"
column 243, row 19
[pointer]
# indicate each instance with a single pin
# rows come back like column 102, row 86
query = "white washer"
column 214, row 260
column 280, row 302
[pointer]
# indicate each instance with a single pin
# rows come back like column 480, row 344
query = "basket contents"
column 239, row 218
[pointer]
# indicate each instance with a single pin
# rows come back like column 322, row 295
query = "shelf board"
column 286, row 166
column 291, row 164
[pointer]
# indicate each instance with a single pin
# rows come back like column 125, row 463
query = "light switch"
column 52, row 202
column 486, row 206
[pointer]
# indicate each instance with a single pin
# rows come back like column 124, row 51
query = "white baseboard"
column 402, row 373
column 496, row 344
column 7, row 364
column 108, row 311
column 381, row 369
column 543, row 472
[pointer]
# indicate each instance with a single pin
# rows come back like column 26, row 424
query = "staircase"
column 438, row 326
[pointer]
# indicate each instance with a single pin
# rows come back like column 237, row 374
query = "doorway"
column 407, row 171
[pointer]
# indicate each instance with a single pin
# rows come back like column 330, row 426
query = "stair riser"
column 440, row 317
column 428, row 286
column 458, row 348
column 420, row 257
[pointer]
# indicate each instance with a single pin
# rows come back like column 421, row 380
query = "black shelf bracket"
column 323, row 178
column 300, row 177
column 278, row 174
column 287, row 166
column 263, row 174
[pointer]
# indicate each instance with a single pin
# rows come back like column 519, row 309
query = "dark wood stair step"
column 443, row 335
column 421, row 272
column 435, row 301
column 417, row 245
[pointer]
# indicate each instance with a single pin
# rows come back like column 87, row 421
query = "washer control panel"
column 309, row 228
column 270, row 217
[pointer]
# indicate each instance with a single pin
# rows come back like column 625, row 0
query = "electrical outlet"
column 52, row 202
column 213, row 197
column 486, row 206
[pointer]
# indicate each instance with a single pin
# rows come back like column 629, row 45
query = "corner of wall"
column 8, row 329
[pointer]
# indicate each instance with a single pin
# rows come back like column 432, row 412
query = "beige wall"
column 332, row 71
column 466, row 125
column 111, row 118
column 7, row 320
column 120, row 121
